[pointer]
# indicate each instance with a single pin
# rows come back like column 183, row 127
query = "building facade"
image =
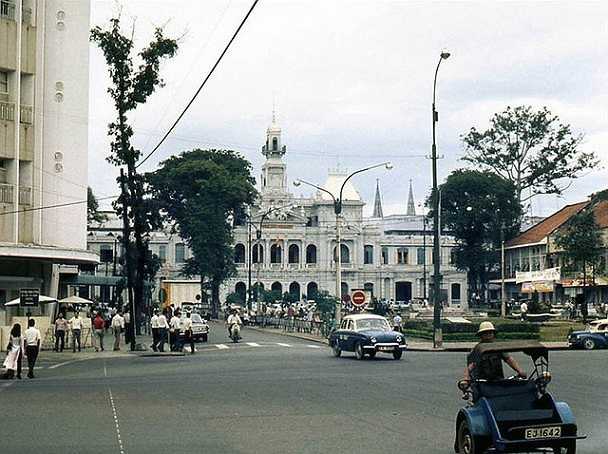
column 294, row 247
column 43, row 143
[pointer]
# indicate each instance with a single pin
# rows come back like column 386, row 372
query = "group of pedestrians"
column 27, row 344
column 99, row 325
column 170, row 322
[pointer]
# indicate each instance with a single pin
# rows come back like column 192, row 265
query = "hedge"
column 507, row 330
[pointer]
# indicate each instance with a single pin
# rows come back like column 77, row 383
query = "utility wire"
column 201, row 86
column 55, row 206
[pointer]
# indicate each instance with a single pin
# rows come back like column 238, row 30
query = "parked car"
column 514, row 414
column 366, row 334
column 596, row 336
column 200, row 328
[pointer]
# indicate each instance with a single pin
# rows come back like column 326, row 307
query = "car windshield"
column 373, row 323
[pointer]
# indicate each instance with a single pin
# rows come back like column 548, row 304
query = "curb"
column 157, row 354
column 419, row 348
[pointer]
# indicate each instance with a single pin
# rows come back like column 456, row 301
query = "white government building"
column 386, row 255
column 44, row 108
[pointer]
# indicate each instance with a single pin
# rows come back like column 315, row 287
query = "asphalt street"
column 268, row 394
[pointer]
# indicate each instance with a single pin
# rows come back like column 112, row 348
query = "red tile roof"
column 544, row 228
column 601, row 214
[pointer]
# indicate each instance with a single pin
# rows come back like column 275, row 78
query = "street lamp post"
column 503, row 301
column 425, row 221
column 338, row 211
column 437, row 335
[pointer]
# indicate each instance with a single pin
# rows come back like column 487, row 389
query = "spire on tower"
column 377, row 203
column 411, row 207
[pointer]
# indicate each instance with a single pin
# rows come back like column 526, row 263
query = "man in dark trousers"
column 32, row 346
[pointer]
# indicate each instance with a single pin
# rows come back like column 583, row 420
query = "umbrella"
column 41, row 299
column 75, row 300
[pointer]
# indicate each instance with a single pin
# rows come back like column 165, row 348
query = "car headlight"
column 374, row 340
column 399, row 339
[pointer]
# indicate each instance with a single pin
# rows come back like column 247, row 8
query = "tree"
column 480, row 209
column 131, row 87
column 326, row 304
column 581, row 240
column 93, row 214
column 529, row 148
column 199, row 191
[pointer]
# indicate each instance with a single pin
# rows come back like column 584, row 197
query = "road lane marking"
column 65, row 363
column 313, row 346
column 222, row 346
column 253, row 344
column 3, row 386
column 116, row 424
column 283, row 345
column 105, row 370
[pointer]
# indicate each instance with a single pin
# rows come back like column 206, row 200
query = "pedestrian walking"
column 154, row 327
column 15, row 348
column 174, row 326
column 32, row 346
column 76, row 327
column 61, row 326
column 99, row 325
column 163, row 326
column 118, row 325
column 188, row 335
column 523, row 308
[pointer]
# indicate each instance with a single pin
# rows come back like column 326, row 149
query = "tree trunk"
column 215, row 298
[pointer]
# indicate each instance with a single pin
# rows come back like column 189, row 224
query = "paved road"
column 274, row 395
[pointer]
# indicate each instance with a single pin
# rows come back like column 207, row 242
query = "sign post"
column 29, row 297
column 358, row 298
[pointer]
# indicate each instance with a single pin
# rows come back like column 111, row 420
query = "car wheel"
column 336, row 350
column 372, row 354
column 589, row 344
column 397, row 353
column 205, row 337
column 467, row 443
column 359, row 351
column 568, row 449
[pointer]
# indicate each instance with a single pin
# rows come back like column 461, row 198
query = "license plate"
column 386, row 349
column 543, row 432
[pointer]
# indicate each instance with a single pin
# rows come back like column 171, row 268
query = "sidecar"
column 515, row 415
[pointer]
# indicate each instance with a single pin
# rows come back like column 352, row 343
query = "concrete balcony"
column 25, row 195
column 6, row 193
column 8, row 43
column 7, row 131
column 7, row 10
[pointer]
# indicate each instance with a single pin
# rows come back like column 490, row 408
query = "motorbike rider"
column 233, row 319
column 488, row 367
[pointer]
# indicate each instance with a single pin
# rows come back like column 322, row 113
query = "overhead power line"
column 200, row 87
column 59, row 205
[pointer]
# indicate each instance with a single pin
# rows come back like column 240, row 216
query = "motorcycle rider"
column 488, row 367
column 233, row 319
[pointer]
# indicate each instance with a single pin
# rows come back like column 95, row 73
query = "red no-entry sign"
column 358, row 298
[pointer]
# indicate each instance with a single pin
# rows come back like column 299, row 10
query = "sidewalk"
column 414, row 345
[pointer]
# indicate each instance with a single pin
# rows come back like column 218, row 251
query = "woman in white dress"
column 15, row 350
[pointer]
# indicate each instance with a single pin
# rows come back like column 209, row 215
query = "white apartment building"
column 44, row 74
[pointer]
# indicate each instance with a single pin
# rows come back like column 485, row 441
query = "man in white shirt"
column 32, row 346
column 76, row 327
column 188, row 332
column 118, row 324
column 397, row 323
column 233, row 319
column 162, row 332
column 154, row 326
column 174, row 326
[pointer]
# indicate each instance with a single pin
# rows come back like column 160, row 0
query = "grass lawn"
column 558, row 331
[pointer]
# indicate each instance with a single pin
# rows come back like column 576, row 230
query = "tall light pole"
column 338, row 211
column 437, row 335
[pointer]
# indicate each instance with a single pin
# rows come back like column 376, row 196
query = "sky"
column 351, row 82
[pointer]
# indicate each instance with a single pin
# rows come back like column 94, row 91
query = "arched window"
column 344, row 256
column 239, row 253
column 311, row 253
column 311, row 290
column 345, row 290
column 294, row 253
column 276, row 254
column 369, row 287
column 275, row 144
column 241, row 290
column 277, row 287
column 368, row 254
column 294, row 289
column 257, row 254
column 258, row 288
column 403, row 291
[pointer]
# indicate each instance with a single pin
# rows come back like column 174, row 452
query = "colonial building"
column 534, row 264
column 293, row 241
column 44, row 112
